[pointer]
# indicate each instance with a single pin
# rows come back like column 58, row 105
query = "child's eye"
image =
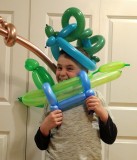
column 70, row 68
column 59, row 68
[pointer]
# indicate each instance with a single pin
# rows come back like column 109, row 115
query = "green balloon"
column 39, row 73
column 86, row 33
column 78, row 15
column 49, row 31
column 31, row 64
column 40, row 76
column 112, row 66
column 97, row 43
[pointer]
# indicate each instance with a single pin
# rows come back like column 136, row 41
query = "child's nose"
column 63, row 72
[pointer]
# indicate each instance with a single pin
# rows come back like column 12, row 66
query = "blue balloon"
column 50, row 96
column 76, row 54
column 51, row 41
column 55, row 107
column 55, row 51
column 89, row 93
column 86, row 43
column 72, row 102
column 84, row 80
column 86, row 86
column 67, row 30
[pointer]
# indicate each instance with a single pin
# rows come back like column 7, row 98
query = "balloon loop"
column 86, row 33
column 78, row 15
column 97, row 42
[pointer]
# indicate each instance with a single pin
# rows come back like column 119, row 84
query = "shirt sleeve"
column 108, row 131
column 41, row 141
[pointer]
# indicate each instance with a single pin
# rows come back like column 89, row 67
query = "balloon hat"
column 72, row 32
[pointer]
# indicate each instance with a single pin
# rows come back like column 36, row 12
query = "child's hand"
column 94, row 103
column 53, row 120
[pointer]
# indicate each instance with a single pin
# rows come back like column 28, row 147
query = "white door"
column 13, row 76
column 116, row 21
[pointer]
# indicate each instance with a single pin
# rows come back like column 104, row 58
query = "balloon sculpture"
column 68, row 93
column 72, row 87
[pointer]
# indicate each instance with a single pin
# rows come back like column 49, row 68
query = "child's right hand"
column 53, row 120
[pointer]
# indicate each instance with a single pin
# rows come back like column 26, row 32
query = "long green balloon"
column 112, row 66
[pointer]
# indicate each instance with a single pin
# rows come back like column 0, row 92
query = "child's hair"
column 62, row 52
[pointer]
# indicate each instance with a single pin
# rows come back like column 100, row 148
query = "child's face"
column 66, row 68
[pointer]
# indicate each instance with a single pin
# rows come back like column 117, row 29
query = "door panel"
column 118, row 24
column 13, row 76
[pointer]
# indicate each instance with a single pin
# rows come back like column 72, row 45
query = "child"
column 75, row 134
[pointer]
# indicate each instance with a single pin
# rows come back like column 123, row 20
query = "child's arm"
column 41, row 141
column 94, row 103
column 42, row 137
column 108, row 130
column 53, row 120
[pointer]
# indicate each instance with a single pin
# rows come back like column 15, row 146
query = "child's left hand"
column 94, row 103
